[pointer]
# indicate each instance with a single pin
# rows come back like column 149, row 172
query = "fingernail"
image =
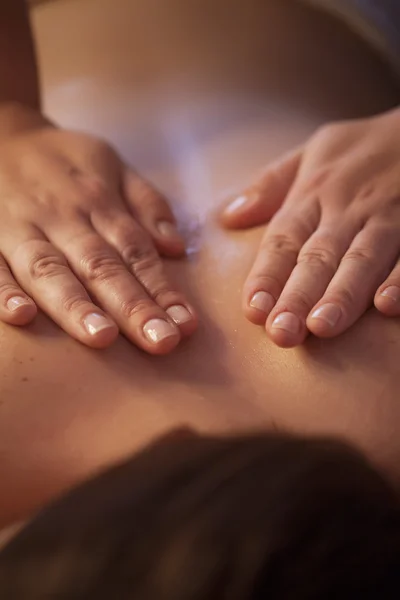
column 16, row 302
column 392, row 292
column 262, row 301
column 236, row 204
column 157, row 330
column 330, row 313
column 94, row 323
column 179, row 314
column 287, row 322
column 168, row 229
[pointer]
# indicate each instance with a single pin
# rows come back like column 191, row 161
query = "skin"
column 332, row 246
column 66, row 410
column 81, row 232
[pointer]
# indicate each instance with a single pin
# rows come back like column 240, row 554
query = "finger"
column 387, row 299
column 154, row 214
column 259, row 202
column 276, row 259
column 16, row 308
column 103, row 273
column 45, row 274
column 364, row 266
column 317, row 263
column 137, row 250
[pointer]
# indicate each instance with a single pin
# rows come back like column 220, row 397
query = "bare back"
column 198, row 99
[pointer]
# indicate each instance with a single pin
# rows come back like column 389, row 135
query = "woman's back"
column 197, row 98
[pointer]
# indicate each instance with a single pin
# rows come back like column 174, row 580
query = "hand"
column 333, row 242
column 80, row 234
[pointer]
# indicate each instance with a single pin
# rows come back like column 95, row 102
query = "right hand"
column 80, row 236
column 332, row 246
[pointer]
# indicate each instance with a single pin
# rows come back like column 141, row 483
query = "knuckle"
column 298, row 300
column 146, row 265
column 368, row 191
column 46, row 199
column 96, row 190
column 137, row 252
column 385, row 205
column 279, row 243
column 31, row 201
column 319, row 257
column 7, row 287
column 100, row 266
column 360, row 255
column 4, row 271
column 132, row 307
column 141, row 259
column 46, row 266
column 73, row 303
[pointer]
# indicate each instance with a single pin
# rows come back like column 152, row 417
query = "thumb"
column 258, row 203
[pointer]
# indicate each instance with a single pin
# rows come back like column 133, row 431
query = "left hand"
column 332, row 246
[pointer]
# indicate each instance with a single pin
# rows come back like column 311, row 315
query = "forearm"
column 19, row 80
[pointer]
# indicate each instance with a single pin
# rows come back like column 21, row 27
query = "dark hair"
column 190, row 518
